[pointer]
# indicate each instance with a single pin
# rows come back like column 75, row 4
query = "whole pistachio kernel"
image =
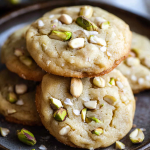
column 112, row 81
column 97, row 131
column 26, row 137
column 137, row 136
column 86, row 11
column 60, row 35
column 12, row 98
column 94, row 119
column 86, row 24
column 83, row 114
column 26, row 60
column 60, row 115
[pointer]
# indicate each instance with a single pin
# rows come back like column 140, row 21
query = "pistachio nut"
column 99, row 82
column 120, row 145
column 86, row 24
column 90, row 104
column 97, row 40
column 4, row 131
column 137, row 136
column 83, row 114
column 97, row 131
column 105, row 25
column 64, row 130
column 112, row 81
column 60, row 35
column 76, row 43
column 55, row 103
column 110, row 99
column 12, row 97
column 11, row 111
column 26, row 137
column 21, row 88
column 60, row 114
column 86, row 11
column 66, row 19
column 26, row 60
column 76, row 87
column 132, row 61
column 18, row 52
column 94, row 119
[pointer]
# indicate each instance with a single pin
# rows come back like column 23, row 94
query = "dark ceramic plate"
column 17, row 19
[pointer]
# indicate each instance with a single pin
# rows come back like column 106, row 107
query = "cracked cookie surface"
column 137, row 66
column 95, row 56
column 17, row 59
column 110, row 113
column 18, row 108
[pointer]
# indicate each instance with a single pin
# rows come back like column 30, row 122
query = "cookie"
column 86, row 112
column 17, row 99
column 67, row 44
column 17, row 59
column 137, row 66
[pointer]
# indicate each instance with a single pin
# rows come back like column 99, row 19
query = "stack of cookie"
column 82, row 100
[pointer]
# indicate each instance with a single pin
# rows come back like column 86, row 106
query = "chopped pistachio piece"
column 60, row 35
column 112, row 81
column 64, row 130
column 83, row 114
column 90, row 104
column 132, row 61
column 76, row 87
column 94, row 119
column 86, row 11
column 105, row 25
column 64, row 18
column 26, row 60
column 88, row 120
column 86, row 24
column 135, row 50
column 21, row 88
column 99, row 82
column 76, row 43
column 97, row 40
column 97, row 131
column 137, row 136
column 55, row 103
column 12, row 97
column 4, row 131
column 18, row 52
column 26, row 137
column 60, row 115
column 120, row 145
column 11, row 111
column 110, row 99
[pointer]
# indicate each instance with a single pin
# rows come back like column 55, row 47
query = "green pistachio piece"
column 83, row 114
column 88, row 120
column 135, row 51
column 26, row 60
column 86, row 11
column 12, row 98
column 55, row 103
column 4, row 131
column 86, row 24
column 112, row 81
column 97, row 131
column 60, row 35
column 137, row 136
column 105, row 25
column 94, row 119
column 120, row 145
column 26, row 137
column 60, row 115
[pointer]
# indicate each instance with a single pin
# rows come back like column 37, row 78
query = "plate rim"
column 42, row 5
